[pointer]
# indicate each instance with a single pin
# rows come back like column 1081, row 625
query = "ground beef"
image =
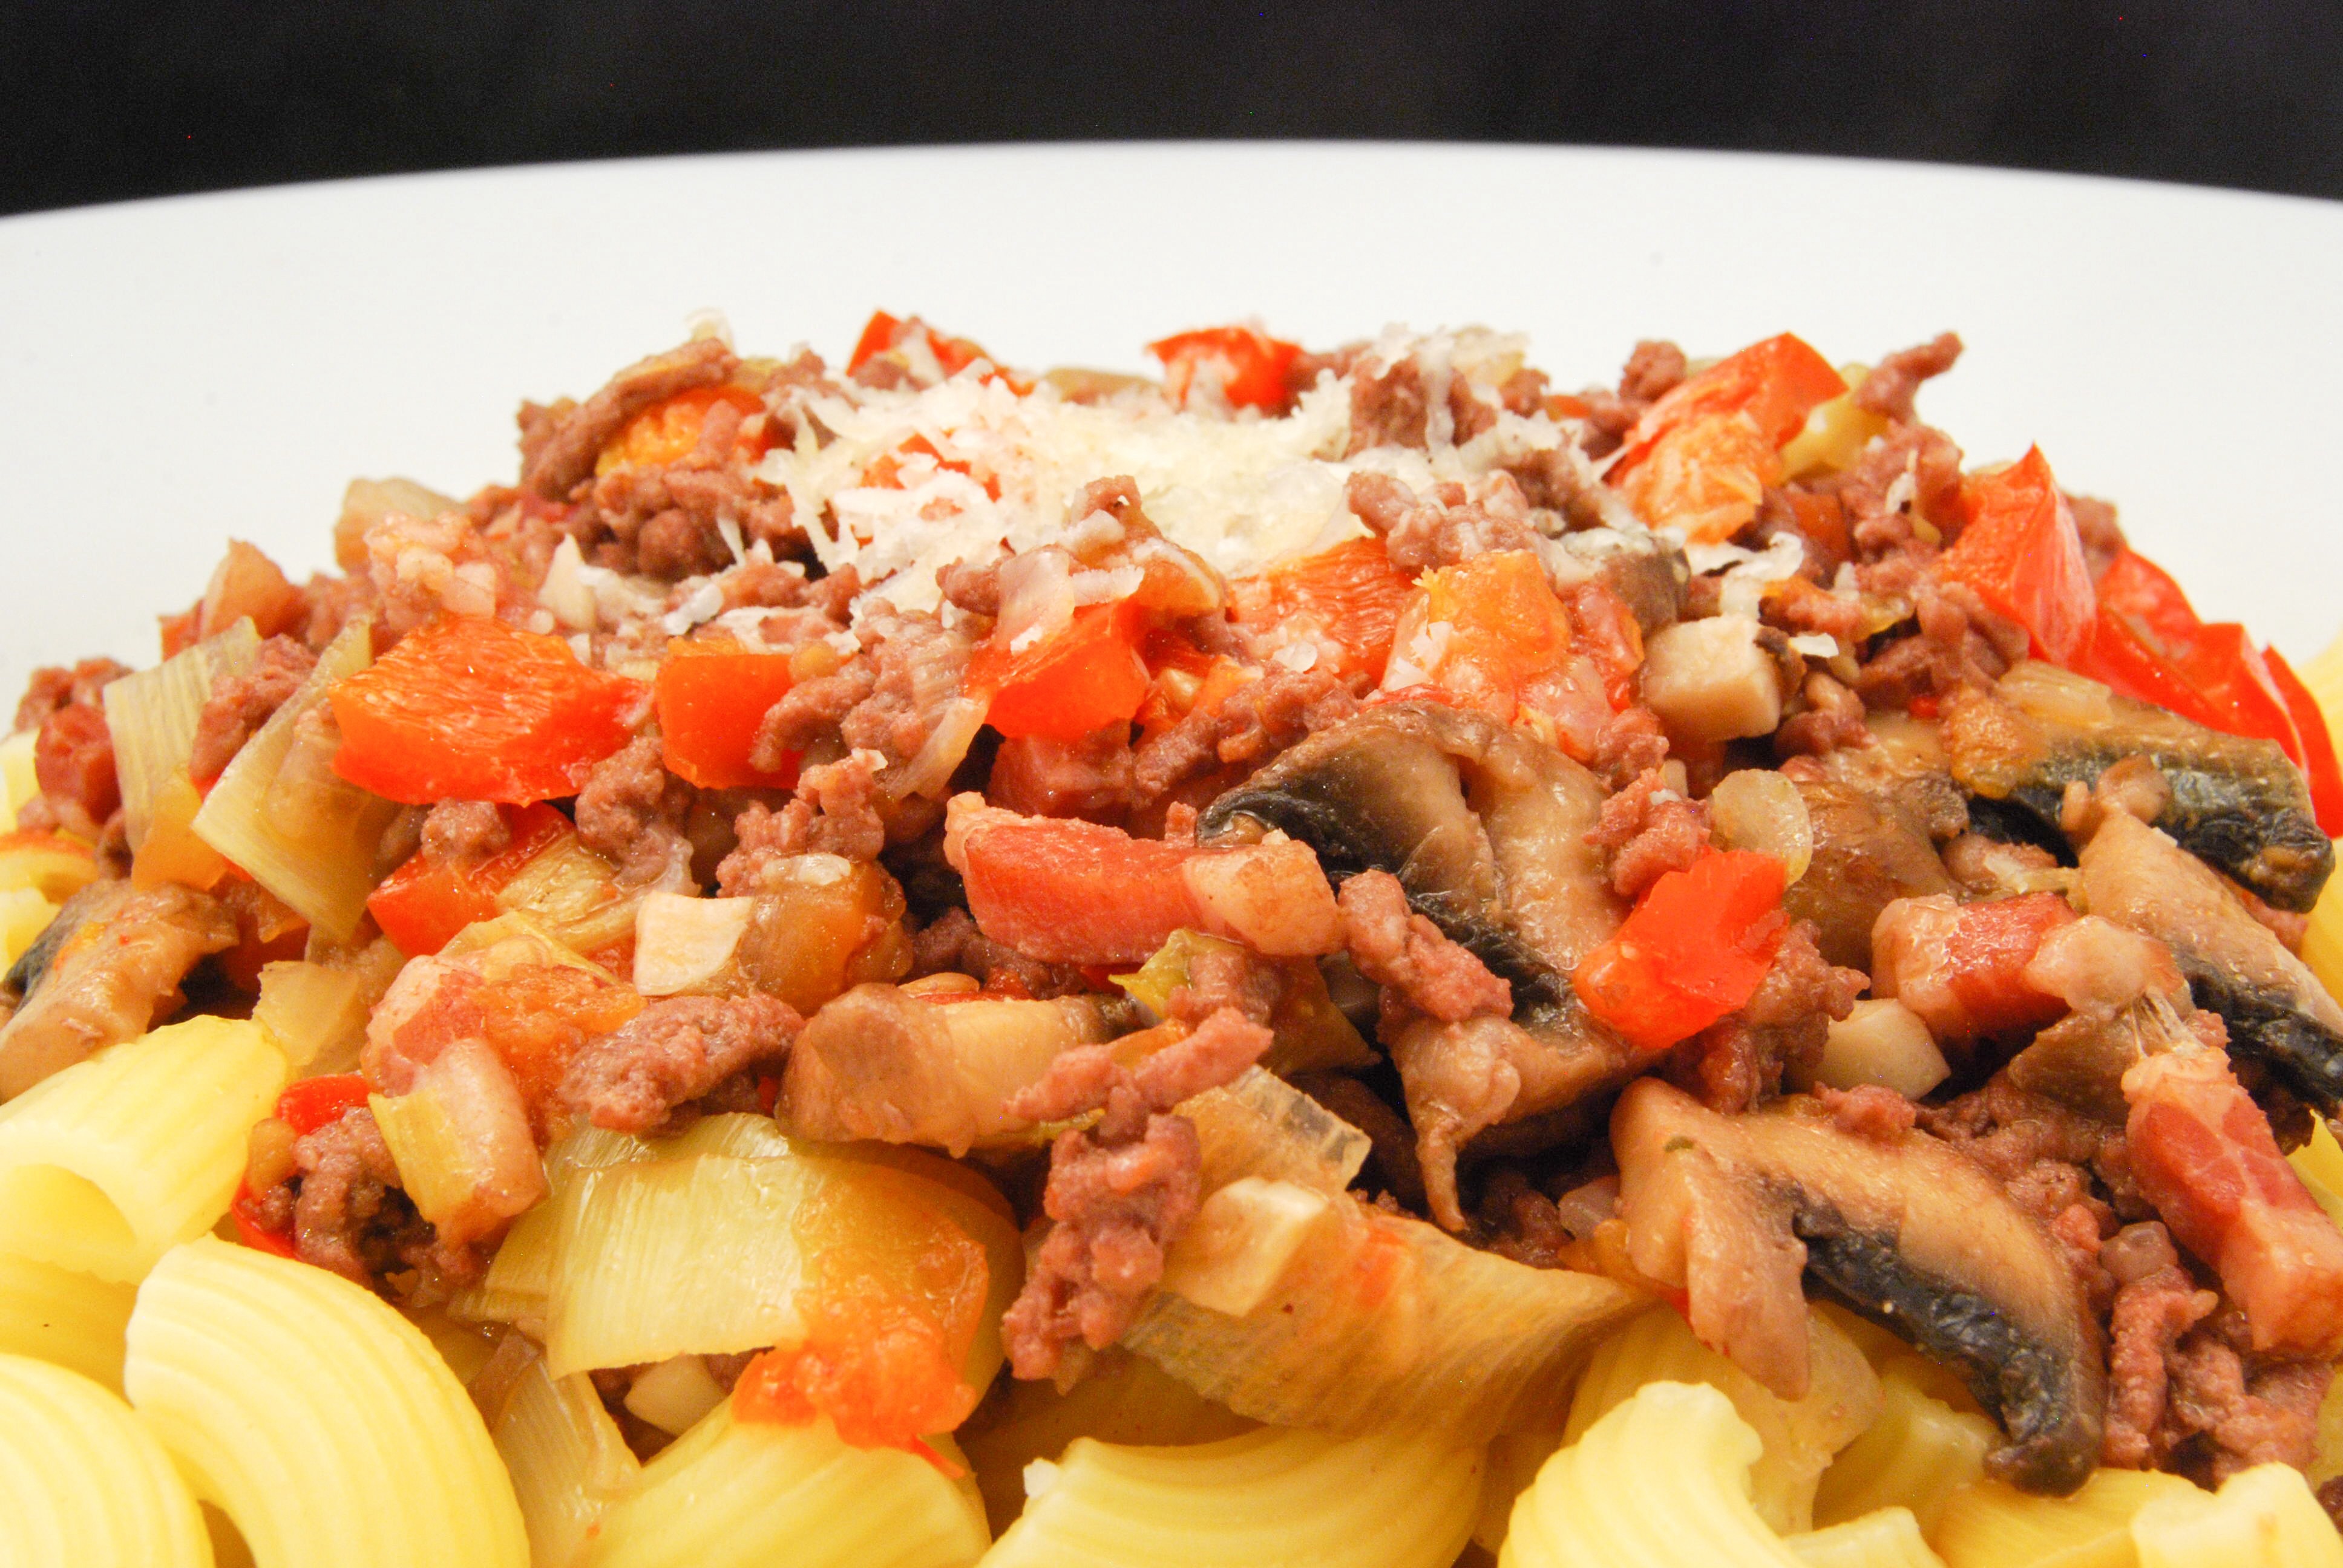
column 677, row 1049
column 560, row 443
column 1737, row 1062
column 2150, row 1314
column 1889, row 388
column 887, row 695
column 240, row 704
column 53, row 686
column 667, row 522
column 1453, row 526
column 1869, row 1110
column 2227, row 1410
column 1827, row 718
column 1653, row 370
column 1388, row 410
column 349, row 1214
column 1648, row 830
column 952, row 944
column 2055, row 1162
column 2102, row 535
column 1406, row 953
column 632, row 810
column 1522, row 1223
column 833, row 813
column 1226, row 977
column 1259, row 719
column 1118, row 1193
column 1095, row 776
column 72, row 754
column 1632, row 743
column 463, row 833
column 1959, row 645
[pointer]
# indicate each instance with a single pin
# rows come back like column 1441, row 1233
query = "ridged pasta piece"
column 55, row 1315
column 1990, row 1526
column 1801, row 1436
column 751, row 1494
column 1123, row 1399
column 322, row 1421
column 82, row 1483
column 1509, row 1467
column 2265, row 1517
column 1660, row 1481
column 108, row 1164
column 1888, row 1539
column 1914, row 1456
column 567, row 1459
column 1271, row 1498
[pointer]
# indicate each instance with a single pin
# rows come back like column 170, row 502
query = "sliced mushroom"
column 1906, row 1229
column 2237, row 803
column 1487, row 832
column 2275, row 1007
column 1871, row 847
column 109, row 965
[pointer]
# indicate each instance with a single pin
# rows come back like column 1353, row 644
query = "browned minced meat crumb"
column 349, row 1215
column 1259, row 719
column 1648, row 830
column 1522, row 1223
column 54, row 686
column 1738, row 1061
column 1959, row 644
column 73, row 755
column 1387, row 1131
column 886, row 696
column 2102, row 535
column 463, row 833
column 2151, row 1312
column 666, row 522
column 1829, row 717
column 1653, row 370
column 1120, row 1193
column 632, row 809
column 832, row 813
column 952, row 944
column 2048, row 1156
column 1397, row 948
column 1869, row 1110
column 1420, row 534
column 1630, row 743
column 1889, row 388
column 560, row 443
column 240, row 704
column 1227, row 977
column 973, row 586
column 677, row 1049
column 2228, row 1412
column 1094, row 777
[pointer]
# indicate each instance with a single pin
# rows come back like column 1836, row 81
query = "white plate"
column 175, row 372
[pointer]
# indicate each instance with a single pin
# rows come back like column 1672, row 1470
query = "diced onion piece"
column 317, row 1015
column 327, row 867
column 1835, row 432
column 152, row 717
column 367, row 502
column 930, row 771
column 461, row 1141
column 1883, row 1041
column 1241, row 1239
column 675, row 1395
column 171, row 851
column 1758, row 808
column 18, row 780
column 567, row 1458
column 1710, row 681
column 682, row 941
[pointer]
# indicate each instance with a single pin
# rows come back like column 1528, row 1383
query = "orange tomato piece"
column 1086, row 675
column 1693, row 951
column 472, row 709
column 1351, row 595
column 711, row 694
column 1477, row 633
column 1777, row 383
column 538, row 1016
column 1704, row 476
column 668, row 431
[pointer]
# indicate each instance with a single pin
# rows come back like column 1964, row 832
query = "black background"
column 100, row 101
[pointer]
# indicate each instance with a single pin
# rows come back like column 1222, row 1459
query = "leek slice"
column 317, row 1015
column 320, row 860
column 574, row 894
column 152, row 716
column 567, row 1459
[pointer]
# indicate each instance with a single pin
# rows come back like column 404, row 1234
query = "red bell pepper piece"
column 2022, row 555
column 468, row 709
column 712, row 693
column 1693, row 951
column 885, row 334
column 315, row 1102
column 1086, row 675
column 1251, row 365
column 1777, row 383
column 424, row 903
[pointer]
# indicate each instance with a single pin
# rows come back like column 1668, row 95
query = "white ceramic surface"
column 175, row 372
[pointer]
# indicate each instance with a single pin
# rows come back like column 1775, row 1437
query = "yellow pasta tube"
column 1990, row 1526
column 1914, row 1456
column 1800, row 1435
column 1661, row 1481
column 748, row 1494
column 319, row 1420
column 567, row 1459
column 1273, row 1498
column 1888, row 1539
column 58, row 1315
column 106, row 1165
column 2265, row 1517
column 82, row 1483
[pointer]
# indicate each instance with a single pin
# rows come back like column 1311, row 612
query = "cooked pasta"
column 59, row 1315
column 109, row 1163
column 2261, row 1518
column 744, row 1495
column 1271, row 1498
column 1800, row 1436
column 1916, row 1455
column 1661, row 1481
column 83, row 1484
column 1988, row 1525
column 1887, row 1539
column 319, row 1418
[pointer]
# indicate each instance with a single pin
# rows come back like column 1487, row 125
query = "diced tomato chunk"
column 424, row 903
column 1776, row 383
column 1248, row 364
column 314, row 1102
column 1350, row 596
column 1086, row 675
column 713, row 694
column 668, row 431
column 1704, row 476
column 470, row 708
column 885, row 1375
column 1693, row 951
column 2020, row 553
column 1481, row 632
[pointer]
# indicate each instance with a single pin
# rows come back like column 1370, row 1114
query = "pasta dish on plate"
column 1332, row 958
